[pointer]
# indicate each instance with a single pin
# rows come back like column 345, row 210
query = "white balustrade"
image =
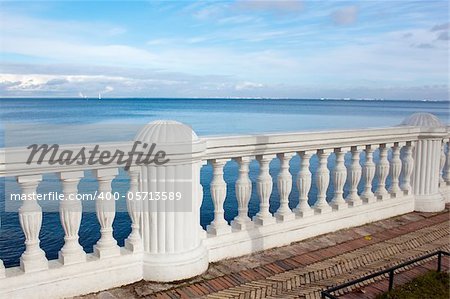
column 166, row 235
column 339, row 177
column 30, row 217
column 105, row 206
column 70, row 209
column 395, row 170
column 407, row 168
column 218, row 189
column 322, row 181
column 304, row 180
column 135, row 209
column 382, row 172
column 354, row 176
column 243, row 189
column 368, row 174
column 264, row 187
column 284, row 184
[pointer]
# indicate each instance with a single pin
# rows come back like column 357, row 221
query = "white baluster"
column 368, row 174
column 304, row 185
column 30, row 217
column 354, row 176
column 243, row 188
column 106, row 211
column 134, row 207
column 2, row 269
column 407, row 168
column 442, row 165
column 284, row 184
column 395, row 170
column 218, row 187
column 446, row 175
column 70, row 215
column 264, row 187
column 339, row 176
column 322, row 181
column 382, row 172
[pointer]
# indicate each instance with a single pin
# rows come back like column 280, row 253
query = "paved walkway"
column 303, row 269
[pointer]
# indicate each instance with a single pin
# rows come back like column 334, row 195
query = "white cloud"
column 345, row 16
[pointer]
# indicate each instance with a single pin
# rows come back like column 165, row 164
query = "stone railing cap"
column 426, row 120
column 166, row 131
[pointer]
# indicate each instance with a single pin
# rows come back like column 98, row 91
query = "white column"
column 446, row 174
column 218, row 187
column 70, row 215
column 322, row 181
column 134, row 207
column 243, row 189
column 368, row 174
column 304, row 185
column 407, row 168
column 106, row 211
column 264, row 187
column 339, row 176
column 382, row 172
column 354, row 176
column 284, row 185
column 395, row 170
column 30, row 217
column 442, row 165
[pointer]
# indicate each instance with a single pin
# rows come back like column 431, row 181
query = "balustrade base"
column 355, row 202
column 263, row 220
column 134, row 245
column 284, row 216
column 72, row 258
column 396, row 194
column 304, row 213
column 367, row 200
column 218, row 230
column 323, row 209
column 429, row 203
column 242, row 225
column 168, row 267
column 33, row 263
column 383, row 196
column 339, row 206
column 105, row 252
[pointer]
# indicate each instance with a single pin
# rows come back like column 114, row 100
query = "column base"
column 105, row 252
column 168, row 267
column 71, row 258
column 429, row 203
column 282, row 217
column 33, row 263
column 263, row 220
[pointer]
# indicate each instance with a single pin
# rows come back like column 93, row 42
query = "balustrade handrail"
column 233, row 146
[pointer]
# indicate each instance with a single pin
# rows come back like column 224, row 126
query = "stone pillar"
column 169, row 225
column 427, row 156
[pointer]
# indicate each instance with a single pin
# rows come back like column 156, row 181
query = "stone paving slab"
column 302, row 269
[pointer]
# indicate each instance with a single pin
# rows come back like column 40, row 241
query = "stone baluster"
column 442, row 165
column 339, row 176
column 407, row 168
column 446, row 174
column 368, row 174
column 70, row 209
column 243, row 188
column 382, row 172
column 106, row 211
column 304, row 185
column 264, row 187
column 354, row 176
column 284, row 185
column 218, row 187
column 2, row 270
column 135, row 209
column 322, row 181
column 395, row 170
column 30, row 217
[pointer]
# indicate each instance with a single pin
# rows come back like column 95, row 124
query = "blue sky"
column 294, row 49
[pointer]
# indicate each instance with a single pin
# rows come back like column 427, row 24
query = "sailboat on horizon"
column 99, row 96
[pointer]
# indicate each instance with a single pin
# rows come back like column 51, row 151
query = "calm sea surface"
column 24, row 121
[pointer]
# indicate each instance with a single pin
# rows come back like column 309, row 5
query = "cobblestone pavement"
column 303, row 269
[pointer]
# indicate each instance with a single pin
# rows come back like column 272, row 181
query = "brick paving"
column 303, row 269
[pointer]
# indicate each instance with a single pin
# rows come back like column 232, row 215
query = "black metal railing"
column 391, row 271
